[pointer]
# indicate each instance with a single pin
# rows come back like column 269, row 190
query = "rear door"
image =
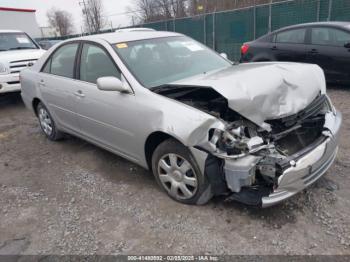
column 56, row 82
column 327, row 49
column 289, row 45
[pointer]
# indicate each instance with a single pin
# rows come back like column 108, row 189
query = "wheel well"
column 151, row 144
column 35, row 103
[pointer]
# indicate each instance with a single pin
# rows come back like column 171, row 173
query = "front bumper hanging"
column 310, row 167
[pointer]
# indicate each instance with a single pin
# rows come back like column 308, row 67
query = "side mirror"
column 224, row 55
column 347, row 45
column 111, row 83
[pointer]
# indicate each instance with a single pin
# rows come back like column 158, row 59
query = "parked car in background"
column 17, row 51
column 256, row 133
column 47, row 44
column 326, row 44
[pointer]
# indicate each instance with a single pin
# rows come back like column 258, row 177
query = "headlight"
column 3, row 69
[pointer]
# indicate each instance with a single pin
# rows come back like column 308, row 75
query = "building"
column 20, row 19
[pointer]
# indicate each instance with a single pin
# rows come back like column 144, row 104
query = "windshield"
column 16, row 41
column 159, row 61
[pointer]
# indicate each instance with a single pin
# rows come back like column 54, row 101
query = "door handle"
column 79, row 93
column 42, row 82
column 313, row 51
column 274, row 48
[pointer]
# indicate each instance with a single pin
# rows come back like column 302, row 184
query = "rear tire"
column 47, row 123
column 177, row 173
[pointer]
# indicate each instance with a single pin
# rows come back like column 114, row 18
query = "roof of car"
column 118, row 37
column 10, row 31
column 333, row 23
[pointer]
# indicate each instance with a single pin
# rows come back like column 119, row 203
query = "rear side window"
column 62, row 61
column 295, row 36
column 341, row 37
column 96, row 63
column 329, row 36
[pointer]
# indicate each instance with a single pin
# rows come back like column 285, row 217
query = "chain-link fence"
column 225, row 31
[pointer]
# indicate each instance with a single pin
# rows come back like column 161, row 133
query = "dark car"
column 326, row 44
column 47, row 44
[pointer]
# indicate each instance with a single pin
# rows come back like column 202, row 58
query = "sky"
column 111, row 7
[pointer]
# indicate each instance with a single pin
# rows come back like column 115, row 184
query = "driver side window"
column 96, row 63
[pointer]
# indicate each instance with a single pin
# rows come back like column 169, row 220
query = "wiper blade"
column 165, row 87
column 175, row 90
column 21, row 47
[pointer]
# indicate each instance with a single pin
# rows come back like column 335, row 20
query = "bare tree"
column 93, row 15
column 144, row 11
column 60, row 20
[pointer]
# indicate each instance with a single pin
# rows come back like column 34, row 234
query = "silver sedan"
column 256, row 133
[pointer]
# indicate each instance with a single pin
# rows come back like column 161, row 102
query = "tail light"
column 244, row 49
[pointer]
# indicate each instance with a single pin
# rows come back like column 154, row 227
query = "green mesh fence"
column 160, row 26
column 294, row 12
column 262, row 20
column 232, row 29
column 340, row 10
column 323, row 10
column 193, row 26
column 209, row 30
column 226, row 31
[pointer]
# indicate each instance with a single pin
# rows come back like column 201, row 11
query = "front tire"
column 47, row 123
column 177, row 173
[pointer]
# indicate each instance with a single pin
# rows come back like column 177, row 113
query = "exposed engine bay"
column 256, row 155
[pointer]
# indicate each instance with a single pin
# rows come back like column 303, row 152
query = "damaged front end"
column 263, row 164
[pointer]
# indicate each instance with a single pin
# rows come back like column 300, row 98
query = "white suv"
column 17, row 51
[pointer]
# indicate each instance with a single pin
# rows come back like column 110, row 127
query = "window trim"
column 54, row 52
column 288, row 30
column 48, row 61
column 328, row 27
column 80, row 51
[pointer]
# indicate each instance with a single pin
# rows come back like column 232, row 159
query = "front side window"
column 295, row 36
column 159, row 61
column 329, row 36
column 62, row 61
column 341, row 37
column 95, row 63
column 16, row 41
column 321, row 36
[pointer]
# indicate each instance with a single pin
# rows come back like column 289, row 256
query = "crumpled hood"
column 15, row 55
column 263, row 91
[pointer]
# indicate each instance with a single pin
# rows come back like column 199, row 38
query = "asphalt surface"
column 71, row 197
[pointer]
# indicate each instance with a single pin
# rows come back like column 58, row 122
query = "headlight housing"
column 233, row 143
column 3, row 69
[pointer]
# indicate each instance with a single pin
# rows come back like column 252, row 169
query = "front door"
column 104, row 116
column 328, row 50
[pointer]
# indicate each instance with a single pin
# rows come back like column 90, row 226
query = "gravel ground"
column 71, row 197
